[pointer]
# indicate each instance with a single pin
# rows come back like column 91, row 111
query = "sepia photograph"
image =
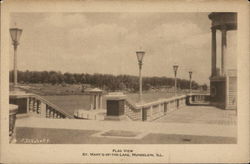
column 76, row 75
column 123, row 78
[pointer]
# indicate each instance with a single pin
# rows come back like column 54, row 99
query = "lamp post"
column 15, row 34
column 190, row 81
column 175, row 67
column 140, row 55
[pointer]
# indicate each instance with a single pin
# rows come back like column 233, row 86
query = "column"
column 28, row 104
column 223, row 49
column 213, row 66
column 43, row 110
column 227, row 93
column 15, row 65
column 100, row 101
column 91, row 102
column 96, row 101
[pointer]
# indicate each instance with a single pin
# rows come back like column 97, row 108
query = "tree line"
column 104, row 81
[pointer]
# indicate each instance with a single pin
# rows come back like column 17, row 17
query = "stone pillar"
column 91, row 102
column 43, row 110
column 223, row 49
column 15, row 65
column 213, row 66
column 100, row 101
column 227, row 92
column 95, row 95
column 12, row 119
column 96, row 101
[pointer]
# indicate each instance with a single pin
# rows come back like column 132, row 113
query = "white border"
column 172, row 153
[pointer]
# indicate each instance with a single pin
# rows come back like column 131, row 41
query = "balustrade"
column 39, row 107
column 153, row 110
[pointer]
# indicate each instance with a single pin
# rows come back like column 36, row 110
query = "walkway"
column 195, row 124
column 201, row 115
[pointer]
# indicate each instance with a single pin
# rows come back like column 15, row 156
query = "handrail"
column 160, row 101
column 153, row 110
column 132, row 104
column 58, row 109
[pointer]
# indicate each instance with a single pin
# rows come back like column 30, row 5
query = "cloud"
column 176, row 31
column 64, row 20
column 106, row 43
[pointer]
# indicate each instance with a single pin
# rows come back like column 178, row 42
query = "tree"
column 106, row 81
column 204, row 87
column 122, row 86
column 53, row 78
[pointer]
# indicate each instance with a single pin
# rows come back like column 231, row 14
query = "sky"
column 107, row 43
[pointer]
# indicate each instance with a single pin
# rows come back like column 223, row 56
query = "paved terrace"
column 190, row 124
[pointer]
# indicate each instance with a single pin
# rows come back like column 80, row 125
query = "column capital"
column 223, row 28
column 213, row 29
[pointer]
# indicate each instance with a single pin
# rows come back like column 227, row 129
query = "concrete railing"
column 37, row 106
column 132, row 111
column 42, row 107
column 197, row 98
column 153, row 110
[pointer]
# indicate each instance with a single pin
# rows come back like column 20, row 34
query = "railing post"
column 47, row 111
column 34, row 106
column 31, row 105
column 43, row 110
column 165, row 107
column 188, row 100
column 28, row 105
column 162, row 108
column 177, row 103
column 50, row 113
column 55, row 114
column 193, row 98
column 144, row 114
column 38, row 107
column 151, row 112
column 12, row 119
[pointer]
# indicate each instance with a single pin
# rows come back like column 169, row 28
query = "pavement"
column 201, row 115
column 201, row 121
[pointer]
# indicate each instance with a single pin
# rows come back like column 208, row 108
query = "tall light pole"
column 140, row 55
column 15, row 34
column 175, row 67
column 190, row 81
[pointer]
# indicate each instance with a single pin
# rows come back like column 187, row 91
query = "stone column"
column 223, row 49
column 91, row 102
column 213, row 66
column 100, row 101
column 15, row 65
column 43, row 110
column 96, row 101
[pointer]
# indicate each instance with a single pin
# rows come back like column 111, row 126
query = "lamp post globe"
column 15, row 34
column 140, row 55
